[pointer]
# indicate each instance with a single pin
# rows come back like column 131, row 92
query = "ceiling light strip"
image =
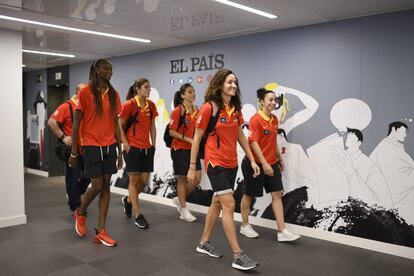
column 246, row 8
column 60, row 27
column 48, row 53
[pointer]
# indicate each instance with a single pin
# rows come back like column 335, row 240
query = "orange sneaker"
column 103, row 238
column 80, row 223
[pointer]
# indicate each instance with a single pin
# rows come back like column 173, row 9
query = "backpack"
column 211, row 128
column 167, row 138
column 63, row 151
column 133, row 119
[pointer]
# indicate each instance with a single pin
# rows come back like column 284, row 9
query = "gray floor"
column 48, row 245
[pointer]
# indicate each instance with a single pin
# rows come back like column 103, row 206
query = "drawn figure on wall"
column 365, row 180
column 397, row 167
column 332, row 181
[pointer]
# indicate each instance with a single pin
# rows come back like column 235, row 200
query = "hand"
column 73, row 160
column 268, row 170
column 191, row 174
column 126, row 147
column 67, row 140
column 120, row 163
column 282, row 165
column 256, row 169
column 343, row 160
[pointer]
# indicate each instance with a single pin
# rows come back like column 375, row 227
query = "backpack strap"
column 182, row 118
column 215, row 114
column 71, row 111
column 134, row 115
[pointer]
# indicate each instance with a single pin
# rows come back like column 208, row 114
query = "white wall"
column 12, row 210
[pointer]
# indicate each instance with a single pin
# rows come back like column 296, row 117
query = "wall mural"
column 331, row 185
column 35, row 133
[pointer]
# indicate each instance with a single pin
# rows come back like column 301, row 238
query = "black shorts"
column 99, row 160
column 139, row 160
column 222, row 179
column 254, row 185
column 181, row 161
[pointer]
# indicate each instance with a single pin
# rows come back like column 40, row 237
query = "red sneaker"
column 103, row 238
column 80, row 223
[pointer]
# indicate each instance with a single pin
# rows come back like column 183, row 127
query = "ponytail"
column 178, row 99
column 131, row 92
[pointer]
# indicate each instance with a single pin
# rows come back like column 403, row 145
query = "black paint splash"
column 350, row 217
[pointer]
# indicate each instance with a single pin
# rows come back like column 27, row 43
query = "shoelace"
column 245, row 258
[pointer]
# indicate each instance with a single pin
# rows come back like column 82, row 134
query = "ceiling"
column 166, row 23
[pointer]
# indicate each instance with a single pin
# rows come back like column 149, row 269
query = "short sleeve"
column 153, row 110
column 59, row 113
column 175, row 118
column 254, row 130
column 126, row 110
column 82, row 96
column 240, row 118
column 203, row 116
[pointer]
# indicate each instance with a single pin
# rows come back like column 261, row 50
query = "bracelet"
column 62, row 136
column 73, row 155
column 192, row 163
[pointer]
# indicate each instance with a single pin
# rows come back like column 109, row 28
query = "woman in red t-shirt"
column 96, row 124
column 181, row 129
column 137, row 121
column 223, row 99
column 263, row 127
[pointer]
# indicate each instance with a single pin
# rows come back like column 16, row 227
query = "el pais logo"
column 196, row 64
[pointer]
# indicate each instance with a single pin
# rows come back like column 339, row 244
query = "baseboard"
column 392, row 249
column 37, row 172
column 12, row 221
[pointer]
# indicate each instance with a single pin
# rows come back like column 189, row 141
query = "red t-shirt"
column 63, row 117
column 187, row 127
column 141, row 139
column 227, row 128
column 96, row 130
column 263, row 130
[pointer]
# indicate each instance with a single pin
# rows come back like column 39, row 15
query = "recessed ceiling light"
column 48, row 53
column 23, row 65
column 246, row 8
column 60, row 27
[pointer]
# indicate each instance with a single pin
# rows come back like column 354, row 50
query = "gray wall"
column 368, row 58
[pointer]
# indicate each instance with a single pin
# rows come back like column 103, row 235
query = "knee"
column 276, row 195
column 216, row 203
column 97, row 187
column 106, row 188
column 229, row 205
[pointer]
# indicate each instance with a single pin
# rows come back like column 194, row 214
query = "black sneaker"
column 141, row 222
column 127, row 206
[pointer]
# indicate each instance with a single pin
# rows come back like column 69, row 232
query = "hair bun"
column 261, row 92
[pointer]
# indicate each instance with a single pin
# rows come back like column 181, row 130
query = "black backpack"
column 211, row 128
column 63, row 151
column 133, row 119
column 167, row 138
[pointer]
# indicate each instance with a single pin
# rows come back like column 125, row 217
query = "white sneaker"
column 286, row 236
column 176, row 201
column 248, row 231
column 186, row 215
